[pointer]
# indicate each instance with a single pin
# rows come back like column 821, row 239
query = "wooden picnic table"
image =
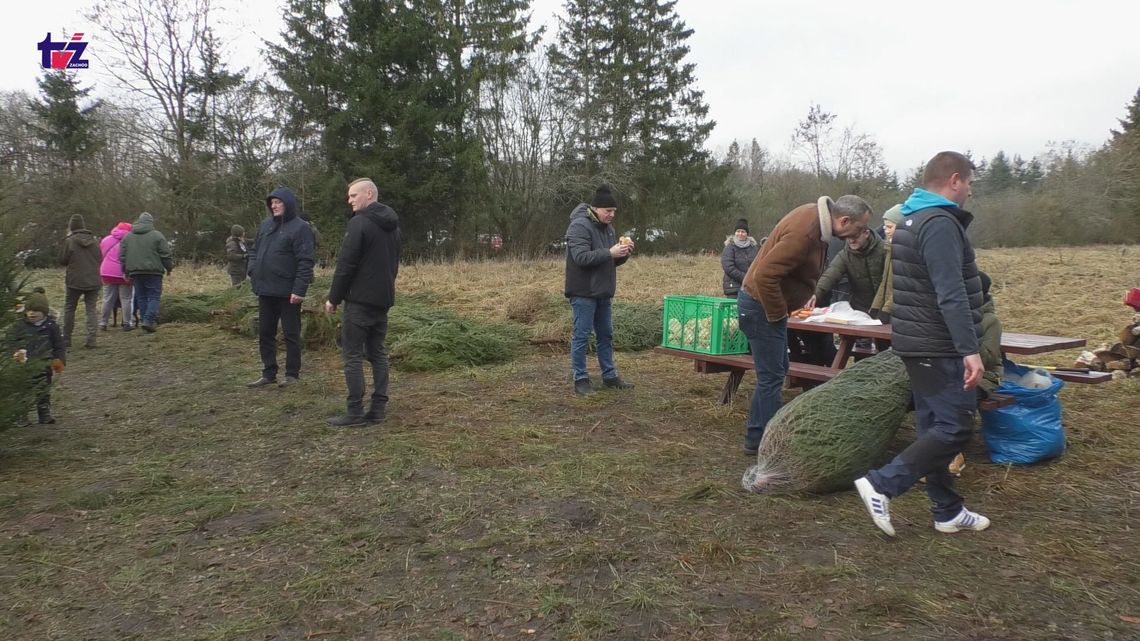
column 737, row 364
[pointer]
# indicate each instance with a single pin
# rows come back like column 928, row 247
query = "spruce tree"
column 67, row 128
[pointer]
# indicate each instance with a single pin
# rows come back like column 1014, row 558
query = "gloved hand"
column 1136, row 331
column 56, row 365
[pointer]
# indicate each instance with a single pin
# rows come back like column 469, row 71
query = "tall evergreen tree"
column 639, row 120
column 67, row 128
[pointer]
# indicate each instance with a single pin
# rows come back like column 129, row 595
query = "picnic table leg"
column 731, row 385
column 843, row 352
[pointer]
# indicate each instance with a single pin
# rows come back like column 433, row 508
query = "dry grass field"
column 169, row 502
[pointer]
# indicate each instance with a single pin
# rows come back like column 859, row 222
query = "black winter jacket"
column 735, row 262
column 282, row 259
column 937, row 292
column 591, row 272
column 369, row 259
column 43, row 341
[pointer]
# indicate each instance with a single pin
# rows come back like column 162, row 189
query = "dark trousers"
column 270, row 311
column 71, row 303
column 42, row 383
column 811, row 347
column 944, row 413
column 362, row 339
column 148, row 293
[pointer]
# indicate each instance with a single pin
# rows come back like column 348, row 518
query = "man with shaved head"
column 365, row 281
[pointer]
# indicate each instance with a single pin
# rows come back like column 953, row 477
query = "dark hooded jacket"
column 369, row 259
column 937, row 291
column 863, row 268
column 591, row 272
column 145, row 250
column 282, row 260
column 82, row 257
column 735, row 261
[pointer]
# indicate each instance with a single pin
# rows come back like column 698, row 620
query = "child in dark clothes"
column 40, row 342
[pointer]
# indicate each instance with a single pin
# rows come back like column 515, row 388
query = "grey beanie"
column 894, row 214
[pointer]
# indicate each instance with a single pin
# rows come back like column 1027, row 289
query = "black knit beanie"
column 604, row 198
column 76, row 223
column 741, row 223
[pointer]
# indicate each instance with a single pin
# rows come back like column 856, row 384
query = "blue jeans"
column 592, row 314
column 769, row 344
column 944, row 413
column 148, row 291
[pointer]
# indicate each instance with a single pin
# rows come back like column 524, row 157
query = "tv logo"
column 63, row 55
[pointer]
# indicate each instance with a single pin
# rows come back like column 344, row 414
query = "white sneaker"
column 878, row 505
column 966, row 520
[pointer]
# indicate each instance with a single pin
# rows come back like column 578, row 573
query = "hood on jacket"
column 237, row 231
column 732, row 237
column 83, row 237
column 144, row 224
column 119, row 231
column 583, row 211
column 285, row 195
column 922, row 199
column 383, row 215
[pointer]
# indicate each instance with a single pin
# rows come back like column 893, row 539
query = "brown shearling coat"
column 784, row 274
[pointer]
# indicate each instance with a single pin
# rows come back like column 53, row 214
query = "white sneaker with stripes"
column 966, row 520
column 878, row 505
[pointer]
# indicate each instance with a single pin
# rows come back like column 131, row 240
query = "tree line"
column 475, row 125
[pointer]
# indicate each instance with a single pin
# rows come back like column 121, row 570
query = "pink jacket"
column 111, row 269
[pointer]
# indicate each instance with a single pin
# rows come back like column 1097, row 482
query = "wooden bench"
column 737, row 364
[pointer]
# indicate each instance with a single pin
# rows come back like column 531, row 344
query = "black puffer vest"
column 917, row 323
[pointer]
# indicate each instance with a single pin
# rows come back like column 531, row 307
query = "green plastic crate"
column 704, row 324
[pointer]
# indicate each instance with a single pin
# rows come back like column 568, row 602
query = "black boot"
column 43, row 413
column 582, row 387
column 375, row 415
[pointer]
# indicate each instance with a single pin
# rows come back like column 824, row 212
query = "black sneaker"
column 751, row 449
column 582, row 387
column 289, row 380
column 148, row 328
column 616, row 383
column 128, row 327
column 262, row 382
column 347, row 421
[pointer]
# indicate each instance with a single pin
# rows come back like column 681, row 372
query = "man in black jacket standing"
column 365, row 280
column 280, row 269
column 935, row 327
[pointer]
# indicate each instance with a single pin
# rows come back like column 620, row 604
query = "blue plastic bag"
column 1029, row 430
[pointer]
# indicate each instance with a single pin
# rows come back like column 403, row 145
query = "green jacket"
column 884, row 300
column 990, row 348
column 82, row 257
column 145, row 250
column 864, row 269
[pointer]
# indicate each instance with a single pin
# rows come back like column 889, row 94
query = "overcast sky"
column 919, row 77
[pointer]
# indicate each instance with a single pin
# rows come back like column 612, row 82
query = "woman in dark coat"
column 740, row 250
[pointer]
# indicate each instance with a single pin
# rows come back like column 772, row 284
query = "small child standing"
column 41, row 341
